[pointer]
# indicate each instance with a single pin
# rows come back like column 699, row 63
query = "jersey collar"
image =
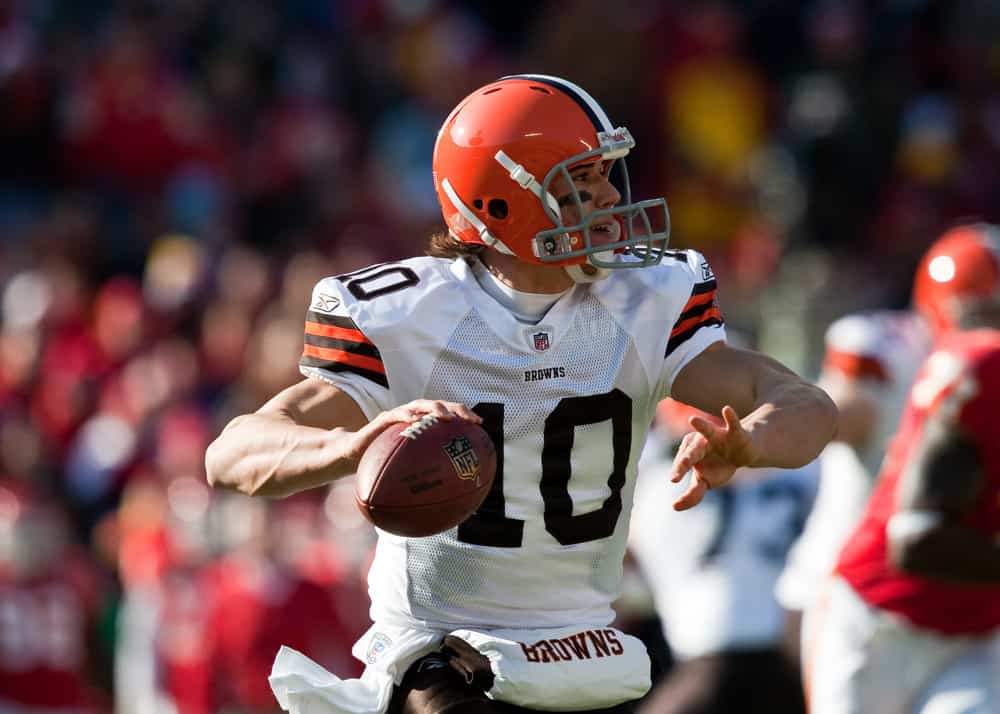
column 539, row 338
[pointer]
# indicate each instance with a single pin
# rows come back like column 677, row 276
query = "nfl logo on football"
column 463, row 458
column 541, row 341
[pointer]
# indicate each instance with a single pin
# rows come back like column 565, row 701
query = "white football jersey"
column 712, row 569
column 881, row 351
column 568, row 402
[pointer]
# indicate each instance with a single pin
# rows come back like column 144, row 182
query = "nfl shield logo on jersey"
column 463, row 458
column 540, row 340
column 379, row 643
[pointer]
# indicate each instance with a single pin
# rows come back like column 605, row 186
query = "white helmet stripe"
column 578, row 94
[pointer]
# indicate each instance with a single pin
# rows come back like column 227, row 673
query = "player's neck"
column 526, row 277
column 526, row 307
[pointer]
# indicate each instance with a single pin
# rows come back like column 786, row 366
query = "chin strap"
column 586, row 273
column 526, row 180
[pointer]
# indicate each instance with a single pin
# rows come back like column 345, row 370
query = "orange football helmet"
column 497, row 155
column 961, row 269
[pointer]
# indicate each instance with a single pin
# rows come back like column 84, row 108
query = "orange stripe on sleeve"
column 330, row 355
column 696, row 320
column 697, row 300
column 341, row 333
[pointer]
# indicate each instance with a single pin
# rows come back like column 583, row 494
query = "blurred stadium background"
column 176, row 175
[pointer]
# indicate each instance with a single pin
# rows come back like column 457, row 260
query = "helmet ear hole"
column 478, row 204
column 497, row 208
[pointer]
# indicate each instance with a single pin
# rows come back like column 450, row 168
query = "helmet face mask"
column 638, row 237
column 503, row 150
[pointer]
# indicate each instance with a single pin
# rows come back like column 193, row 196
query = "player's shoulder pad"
column 887, row 345
column 690, row 264
column 673, row 279
column 972, row 355
column 860, row 333
column 385, row 296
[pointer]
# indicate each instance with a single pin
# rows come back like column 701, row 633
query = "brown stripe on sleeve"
column 334, row 343
column 701, row 310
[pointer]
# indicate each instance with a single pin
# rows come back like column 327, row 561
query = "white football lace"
column 418, row 427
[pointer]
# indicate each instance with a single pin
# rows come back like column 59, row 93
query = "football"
column 426, row 477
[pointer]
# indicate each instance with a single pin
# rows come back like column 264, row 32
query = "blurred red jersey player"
column 913, row 613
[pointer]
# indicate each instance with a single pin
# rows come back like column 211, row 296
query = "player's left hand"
column 713, row 452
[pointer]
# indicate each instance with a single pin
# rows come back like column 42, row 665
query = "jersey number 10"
column 491, row 527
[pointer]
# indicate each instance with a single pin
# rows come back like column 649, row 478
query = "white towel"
column 304, row 687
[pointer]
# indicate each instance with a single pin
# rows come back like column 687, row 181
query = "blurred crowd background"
column 176, row 175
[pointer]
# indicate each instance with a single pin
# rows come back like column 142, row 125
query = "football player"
column 552, row 314
column 711, row 572
column 870, row 362
column 910, row 620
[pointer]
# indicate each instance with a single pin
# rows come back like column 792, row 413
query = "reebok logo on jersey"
column 602, row 643
column 326, row 303
column 537, row 375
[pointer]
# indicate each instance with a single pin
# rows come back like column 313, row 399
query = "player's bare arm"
column 307, row 435
column 942, row 483
column 772, row 417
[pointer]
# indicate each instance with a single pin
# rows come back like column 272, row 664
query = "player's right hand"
column 409, row 413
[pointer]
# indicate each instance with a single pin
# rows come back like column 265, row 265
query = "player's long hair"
column 443, row 245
